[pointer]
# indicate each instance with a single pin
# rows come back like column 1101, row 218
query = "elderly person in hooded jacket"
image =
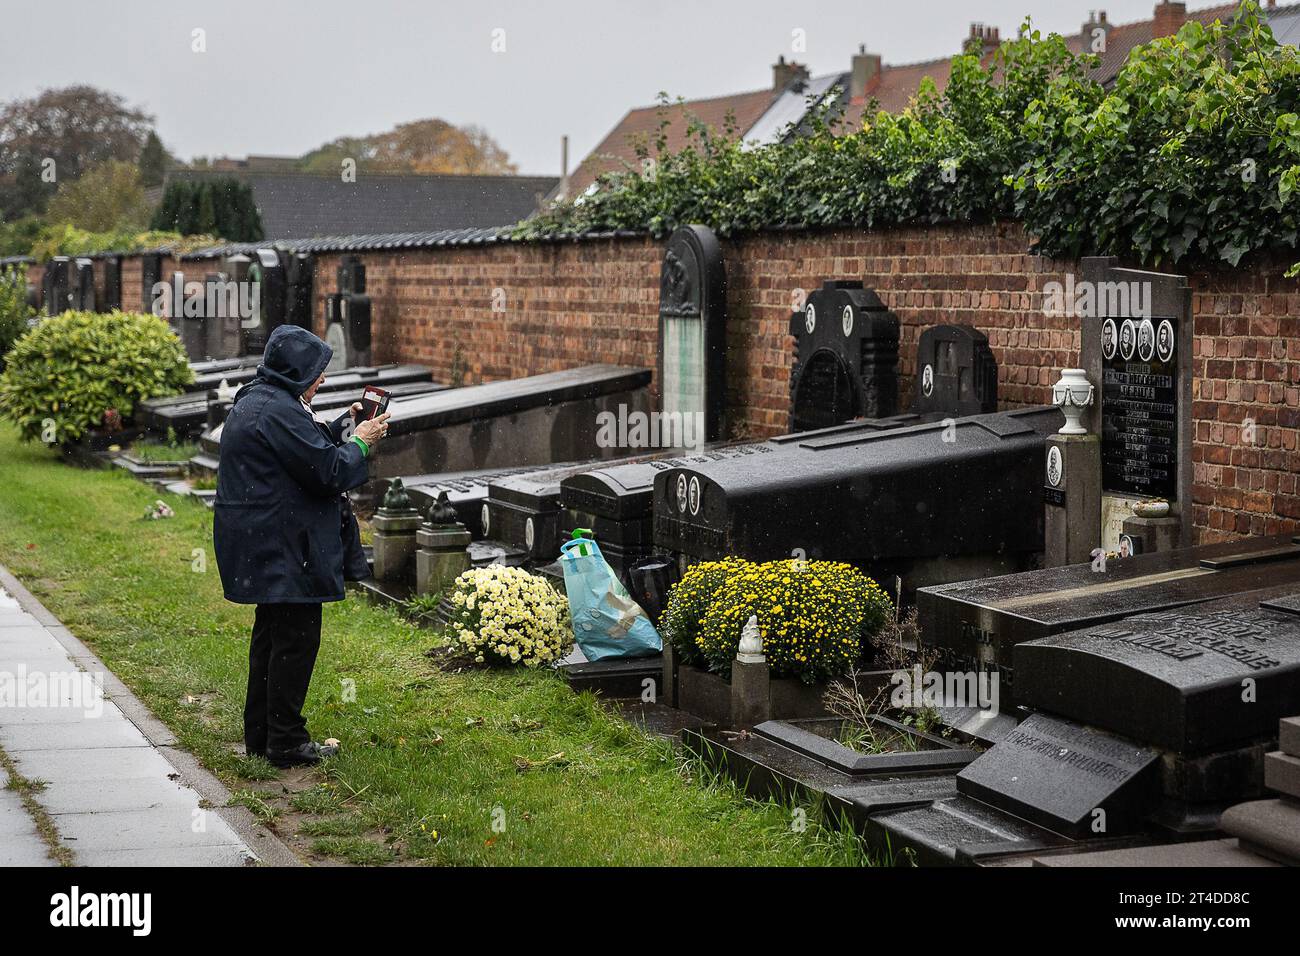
column 284, row 533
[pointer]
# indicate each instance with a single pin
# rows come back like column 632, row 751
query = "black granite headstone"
column 267, row 271
column 55, row 285
column 977, row 623
column 112, row 283
column 846, row 357
column 955, row 372
column 1136, row 349
column 892, row 501
column 1190, row 680
column 83, row 286
column 693, row 331
column 150, row 276
column 1074, row 780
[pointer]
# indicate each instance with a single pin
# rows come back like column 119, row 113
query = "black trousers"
column 286, row 638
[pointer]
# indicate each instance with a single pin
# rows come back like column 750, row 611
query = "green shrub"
column 14, row 310
column 815, row 617
column 688, row 601
column 74, row 367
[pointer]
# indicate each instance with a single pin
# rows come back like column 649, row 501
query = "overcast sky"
column 281, row 77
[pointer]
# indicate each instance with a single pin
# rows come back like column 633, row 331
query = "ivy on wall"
column 1193, row 153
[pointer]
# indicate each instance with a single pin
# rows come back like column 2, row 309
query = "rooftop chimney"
column 1096, row 20
column 1169, row 18
column 866, row 73
column 783, row 73
column 982, row 41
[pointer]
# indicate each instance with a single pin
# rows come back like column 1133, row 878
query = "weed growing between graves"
column 478, row 767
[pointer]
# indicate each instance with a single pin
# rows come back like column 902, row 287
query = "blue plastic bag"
column 606, row 621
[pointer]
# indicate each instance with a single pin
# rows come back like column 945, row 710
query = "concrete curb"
column 268, row 847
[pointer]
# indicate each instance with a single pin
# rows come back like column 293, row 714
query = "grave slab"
column 537, row 420
column 1289, row 736
column 1270, row 828
column 976, row 623
column 1065, row 777
column 1196, row 853
column 1282, row 773
column 1193, row 680
column 957, row 831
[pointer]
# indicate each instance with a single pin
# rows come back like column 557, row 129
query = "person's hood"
column 294, row 358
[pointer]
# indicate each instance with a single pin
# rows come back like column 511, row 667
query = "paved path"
column 117, row 790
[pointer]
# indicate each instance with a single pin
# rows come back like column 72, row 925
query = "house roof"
column 761, row 115
column 642, row 123
column 305, row 205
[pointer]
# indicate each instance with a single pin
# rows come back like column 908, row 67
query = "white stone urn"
column 1072, row 394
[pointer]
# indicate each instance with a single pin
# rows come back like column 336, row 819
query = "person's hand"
column 373, row 429
column 356, row 411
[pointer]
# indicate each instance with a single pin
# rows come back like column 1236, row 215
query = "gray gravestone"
column 846, row 358
column 693, row 332
column 956, row 373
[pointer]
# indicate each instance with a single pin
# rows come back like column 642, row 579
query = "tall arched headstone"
column 693, row 331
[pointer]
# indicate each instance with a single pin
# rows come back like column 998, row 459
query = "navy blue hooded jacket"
column 283, row 530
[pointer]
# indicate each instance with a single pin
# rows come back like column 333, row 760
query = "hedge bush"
column 73, row 368
column 1194, row 153
column 815, row 617
column 14, row 310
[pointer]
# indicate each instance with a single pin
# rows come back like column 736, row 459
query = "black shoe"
column 306, row 755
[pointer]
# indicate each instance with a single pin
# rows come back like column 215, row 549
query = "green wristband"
column 365, row 449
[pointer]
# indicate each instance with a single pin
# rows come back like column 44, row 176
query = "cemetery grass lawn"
column 427, row 756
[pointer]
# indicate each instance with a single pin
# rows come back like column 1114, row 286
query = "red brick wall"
column 1246, row 402
column 567, row 304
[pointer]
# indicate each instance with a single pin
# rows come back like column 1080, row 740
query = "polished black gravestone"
column 1072, row 779
column 976, row 624
column 1136, row 348
column 538, row 420
column 693, row 330
column 55, row 285
column 956, row 373
column 616, row 501
column 846, row 357
column 1193, row 680
column 931, row 502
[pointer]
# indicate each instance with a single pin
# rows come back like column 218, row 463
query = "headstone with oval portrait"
column 1136, row 349
column 956, row 373
column 846, row 357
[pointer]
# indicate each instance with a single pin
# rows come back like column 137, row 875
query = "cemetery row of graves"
column 965, row 633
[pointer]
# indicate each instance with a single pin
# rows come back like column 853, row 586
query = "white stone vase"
column 1072, row 394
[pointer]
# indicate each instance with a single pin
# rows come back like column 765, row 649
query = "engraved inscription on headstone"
column 1220, row 675
column 1072, row 779
column 1139, row 452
